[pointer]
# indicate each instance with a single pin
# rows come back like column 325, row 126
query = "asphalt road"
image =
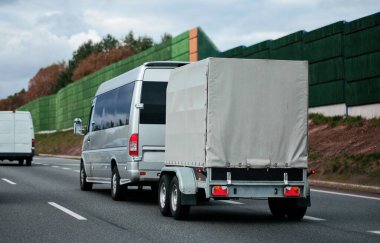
column 43, row 203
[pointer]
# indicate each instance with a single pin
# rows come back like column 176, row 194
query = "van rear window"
column 153, row 96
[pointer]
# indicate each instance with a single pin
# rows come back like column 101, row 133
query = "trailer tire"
column 277, row 207
column 295, row 212
column 84, row 185
column 21, row 162
column 178, row 210
column 164, row 195
column 154, row 189
column 28, row 162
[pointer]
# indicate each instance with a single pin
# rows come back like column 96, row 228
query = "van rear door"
column 7, row 132
column 23, row 133
column 152, row 119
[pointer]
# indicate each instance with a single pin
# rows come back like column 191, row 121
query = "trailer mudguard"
column 186, row 178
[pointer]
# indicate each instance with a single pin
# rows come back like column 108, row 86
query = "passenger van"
column 124, row 142
column 16, row 136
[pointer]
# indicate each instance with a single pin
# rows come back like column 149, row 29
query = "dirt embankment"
column 60, row 143
column 346, row 152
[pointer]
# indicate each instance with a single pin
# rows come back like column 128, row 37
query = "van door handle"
column 88, row 140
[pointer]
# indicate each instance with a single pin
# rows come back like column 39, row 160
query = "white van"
column 124, row 142
column 16, row 136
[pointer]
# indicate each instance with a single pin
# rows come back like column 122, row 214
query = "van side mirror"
column 78, row 126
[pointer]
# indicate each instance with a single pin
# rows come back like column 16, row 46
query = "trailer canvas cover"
column 238, row 113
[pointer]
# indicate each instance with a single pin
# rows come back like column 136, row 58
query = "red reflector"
column 134, row 145
column 220, row 191
column 292, row 191
column 313, row 172
column 142, row 173
column 199, row 170
column 33, row 142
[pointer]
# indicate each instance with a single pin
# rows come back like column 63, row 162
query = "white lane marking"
column 345, row 194
column 9, row 181
column 54, row 166
column 230, row 201
column 77, row 171
column 375, row 231
column 69, row 212
column 65, row 168
column 36, row 163
column 68, row 164
column 313, row 218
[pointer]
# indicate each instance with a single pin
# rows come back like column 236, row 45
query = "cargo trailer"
column 236, row 128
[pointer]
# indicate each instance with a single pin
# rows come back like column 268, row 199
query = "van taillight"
column 134, row 145
column 33, row 142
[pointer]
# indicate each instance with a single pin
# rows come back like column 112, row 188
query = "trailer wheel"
column 21, row 162
column 178, row 210
column 84, row 185
column 164, row 195
column 277, row 207
column 294, row 211
column 29, row 162
column 117, row 190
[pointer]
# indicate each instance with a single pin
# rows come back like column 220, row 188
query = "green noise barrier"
column 344, row 67
column 56, row 112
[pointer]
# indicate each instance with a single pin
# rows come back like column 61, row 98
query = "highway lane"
column 43, row 203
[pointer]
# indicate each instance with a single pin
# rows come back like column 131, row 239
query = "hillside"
column 342, row 150
column 346, row 150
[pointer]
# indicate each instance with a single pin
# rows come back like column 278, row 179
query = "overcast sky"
column 36, row 33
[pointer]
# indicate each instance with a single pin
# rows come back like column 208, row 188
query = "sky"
column 36, row 33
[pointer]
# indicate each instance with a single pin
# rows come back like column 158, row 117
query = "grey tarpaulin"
column 238, row 113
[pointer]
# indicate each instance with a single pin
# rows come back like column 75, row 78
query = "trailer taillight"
column 134, row 145
column 292, row 191
column 33, row 142
column 220, row 191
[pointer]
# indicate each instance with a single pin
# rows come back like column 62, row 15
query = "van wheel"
column 164, row 195
column 178, row 210
column 117, row 190
column 294, row 211
column 28, row 162
column 84, row 185
column 277, row 207
column 21, row 162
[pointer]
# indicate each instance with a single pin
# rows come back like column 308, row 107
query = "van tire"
column 277, row 207
column 28, row 162
column 164, row 195
column 178, row 210
column 117, row 190
column 21, row 162
column 84, row 185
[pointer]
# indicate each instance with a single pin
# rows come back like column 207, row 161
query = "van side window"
column 113, row 107
column 123, row 104
column 90, row 119
column 153, row 96
column 108, row 117
column 99, row 104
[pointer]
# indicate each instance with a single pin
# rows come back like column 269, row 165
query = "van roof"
column 134, row 74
